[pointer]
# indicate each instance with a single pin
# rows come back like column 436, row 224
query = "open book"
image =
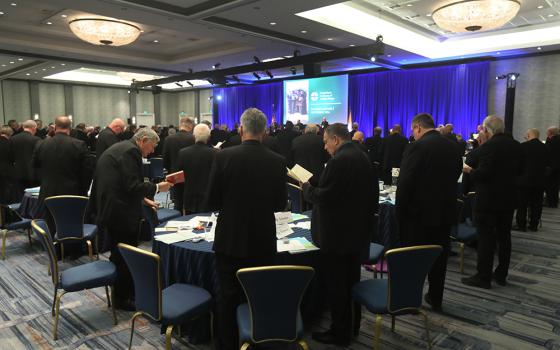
column 219, row 145
column 176, row 178
column 299, row 173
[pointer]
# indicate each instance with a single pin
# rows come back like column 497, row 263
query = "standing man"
column 531, row 182
column 347, row 189
column 62, row 162
column 500, row 161
column 553, row 178
column 6, row 168
column 308, row 150
column 173, row 144
column 374, row 145
column 196, row 161
column 393, row 149
column 22, row 146
column 426, row 197
column 109, row 136
column 119, row 190
column 247, row 185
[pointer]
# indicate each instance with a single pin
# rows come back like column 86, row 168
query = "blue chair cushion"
column 182, row 302
column 19, row 225
column 465, row 233
column 372, row 294
column 91, row 275
column 375, row 252
column 165, row 214
column 244, row 323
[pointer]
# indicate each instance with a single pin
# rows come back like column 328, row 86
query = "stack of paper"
column 306, row 225
column 296, row 217
column 299, row 173
column 283, row 220
column 33, row 190
column 295, row 245
column 180, row 236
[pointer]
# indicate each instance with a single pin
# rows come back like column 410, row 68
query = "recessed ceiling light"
column 156, row 41
column 3, row 65
column 539, row 48
column 388, row 55
column 540, row 6
column 272, row 23
column 63, row 64
column 408, row 5
column 63, row 16
column 35, row 72
column 329, row 39
column 13, row 4
column 49, row 23
column 1, row 13
column 497, row 53
column 303, row 31
column 20, row 59
column 44, row 69
column 11, row 62
column 550, row 15
column 352, row 45
column 428, row 15
column 27, row 74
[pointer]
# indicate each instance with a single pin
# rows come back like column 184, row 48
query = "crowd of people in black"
column 244, row 178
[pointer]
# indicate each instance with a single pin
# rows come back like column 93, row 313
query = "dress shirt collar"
column 251, row 142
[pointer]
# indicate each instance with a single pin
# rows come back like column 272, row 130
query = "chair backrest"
column 144, row 267
column 42, row 233
column 274, row 294
column 296, row 199
column 8, row 215
column 68, row 213
column 407, row 269
column 156, row 168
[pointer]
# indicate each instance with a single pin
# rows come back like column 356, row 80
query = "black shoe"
column 501, row 281
column 476, row 281
column 428, row 300
column 124, row 304
column 519, row 228
column 329, row 337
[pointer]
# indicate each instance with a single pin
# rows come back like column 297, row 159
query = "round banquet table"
column 29, row 205
column 194, row 263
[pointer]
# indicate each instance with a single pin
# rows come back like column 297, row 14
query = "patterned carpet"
column 523, row 315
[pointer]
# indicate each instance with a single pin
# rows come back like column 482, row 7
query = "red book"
column 176, row 178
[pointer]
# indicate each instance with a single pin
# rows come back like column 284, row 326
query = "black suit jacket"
column 6, row 166
column 537, row 158
column 393, row 149
column 271, row 142
column 173, row 144
column 235, row 140
column 247, row 185
column 23, row 145
column 196, row 162
column 500, row 162
column 105, row 139
column 374, row 145
column 427, row 185
column 119, row 187
column 63, row 166
column 308, row 150
column 344, row 203
column 285, row 138
column 553, row 145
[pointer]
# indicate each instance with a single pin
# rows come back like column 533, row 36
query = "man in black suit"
column 500, row 162
column 41, row 132
column 308, row 150
column 393, row 149
column 324, row 123
column 62, row 162
column 553, row 178
column 6, row 166
column 531, row 182
column 118, row 193
column 196, row 161
column 374, row 145
column 247, row 185
column 109, row 136
column 426, row 197
column 12, row 123
column 173, row 144
column 22, row 146
column 344, row 204
column 358, row 140
column 219, row 134
column 285, row 138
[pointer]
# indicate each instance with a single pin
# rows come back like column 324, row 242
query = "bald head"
column 552, row 131
column 493, row 125
column 117, row 125
column 358, row 136
column 62, row 124
column 532, row 134
column 397, row 129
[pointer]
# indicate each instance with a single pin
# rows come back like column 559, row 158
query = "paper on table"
column 308, row 245
column 178, row 224
column 296, row 217
column 175, row 237
column 283, row 245
column 299, row 173
column 166, row 229
column 306, row 225
column 283, row 231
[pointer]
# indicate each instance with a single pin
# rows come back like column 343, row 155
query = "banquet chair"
column 463, row 233
column 376, row 250
column 10, row 220
column 401, row 292
column 296, row 198
column 156, row 169
column 171, row 306
column 272, row 312
column 69, row 214
column 87, row 276
column 152, row 218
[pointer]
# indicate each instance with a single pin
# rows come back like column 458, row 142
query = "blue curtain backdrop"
column 451, row 94
column 234, row 100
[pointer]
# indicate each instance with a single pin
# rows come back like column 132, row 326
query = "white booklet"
column 299, row 173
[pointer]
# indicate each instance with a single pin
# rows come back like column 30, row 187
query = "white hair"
column 146, row 133
column 201, row 133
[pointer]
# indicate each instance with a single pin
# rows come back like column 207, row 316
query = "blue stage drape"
column 234, row 100
column 455, row 94
column 452, row 94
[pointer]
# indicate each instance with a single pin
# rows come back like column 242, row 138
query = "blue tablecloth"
column 388, row 228
column 194, row 263
column 29, row 206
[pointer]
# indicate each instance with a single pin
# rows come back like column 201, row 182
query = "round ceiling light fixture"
column 475, row 15
column 102, row 31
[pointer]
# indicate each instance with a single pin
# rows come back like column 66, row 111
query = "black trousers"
column 177, row 196
column 494, row 232
column 339, row 273
column 552, row 187
column 414, row 234
column 230, row 295
column 121, row 233
column 533, row 199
